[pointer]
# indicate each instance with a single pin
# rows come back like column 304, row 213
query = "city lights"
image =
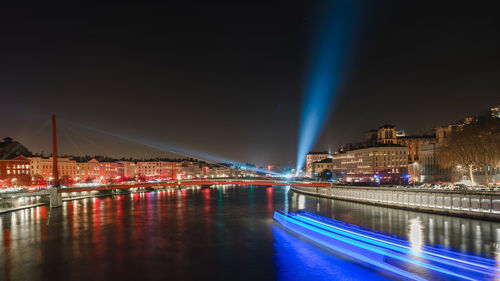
column 248, row 140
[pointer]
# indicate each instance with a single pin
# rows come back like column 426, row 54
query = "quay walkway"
column 474, row 204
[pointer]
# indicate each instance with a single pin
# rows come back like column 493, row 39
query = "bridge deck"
column 193, row 182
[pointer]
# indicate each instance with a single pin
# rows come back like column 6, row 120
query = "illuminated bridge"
column 56, row 194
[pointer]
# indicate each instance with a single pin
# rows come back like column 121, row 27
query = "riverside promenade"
column 473, row 204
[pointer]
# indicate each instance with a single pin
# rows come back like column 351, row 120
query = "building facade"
column 15, row 172
column 383, row 163
column 41, row 168
column 312, row 157
column 323, row 169
column 432, row 168
column 158, row 169
column 129, row 169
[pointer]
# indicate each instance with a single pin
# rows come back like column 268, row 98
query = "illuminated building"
column 414, row 144
column 495, row 111
column 312, row 157
column 161, row 169
column 223, row 172
column 320, row 168
column 82, row 171
column 386, row 163
column 94, row 170
column 15, row 172
column 129, row 169
column 388, row 134
column 110, row 170
column 192, row 169
column 432, row 168
column 41, row 167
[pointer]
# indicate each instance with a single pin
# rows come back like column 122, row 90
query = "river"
column 206, row 234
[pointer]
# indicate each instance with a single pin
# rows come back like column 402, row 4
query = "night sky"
column 227, row 77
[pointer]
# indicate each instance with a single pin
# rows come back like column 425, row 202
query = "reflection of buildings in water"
column 463, row 230
column 477, row 239
column 431, row 231
column 294, row 201
column 416, row 235
column 302, row 202
column 286, row 202
column 446, row 234
column 460, row 233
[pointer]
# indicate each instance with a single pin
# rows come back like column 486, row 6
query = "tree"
column 474, row 146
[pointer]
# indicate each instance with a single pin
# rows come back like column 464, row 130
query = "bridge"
column 56, row 193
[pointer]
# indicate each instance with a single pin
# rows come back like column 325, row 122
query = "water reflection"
column 296, row 259
column 416, row 235
column 463, row 234
column 301, row 202
column 222, row 233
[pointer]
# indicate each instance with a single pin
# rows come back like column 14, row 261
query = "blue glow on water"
column 296, row 259
column 329, row 50
column 386, row 253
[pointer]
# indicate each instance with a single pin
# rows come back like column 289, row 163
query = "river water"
column 207, row 234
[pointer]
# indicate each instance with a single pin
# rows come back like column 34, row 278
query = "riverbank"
column 472, row 204
column 46, row 202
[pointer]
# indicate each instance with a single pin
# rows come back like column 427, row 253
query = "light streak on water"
column 389, row 254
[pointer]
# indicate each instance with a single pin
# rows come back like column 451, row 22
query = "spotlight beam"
column 329, row 50
column 169, row 148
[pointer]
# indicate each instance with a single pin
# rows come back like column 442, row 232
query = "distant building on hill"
column 9, row 149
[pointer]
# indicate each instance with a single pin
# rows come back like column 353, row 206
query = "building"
column 10, row 149
column 386, row 163
column 15, row 172
column 41, row 168
column 323, row 168
column 414, row 144
column 96, row 171
column 110, row 171
column 193, row 169
column 158, row 169
column 495, row 111
column 388, row 135
column 129, row 169
column 432, row 170
column 83, row 172
column 312, row 157
column 443, row 133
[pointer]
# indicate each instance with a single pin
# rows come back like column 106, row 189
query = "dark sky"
column 227, row 77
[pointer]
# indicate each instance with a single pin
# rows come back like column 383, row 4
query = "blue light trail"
column 329, row 50
column 387, row 254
